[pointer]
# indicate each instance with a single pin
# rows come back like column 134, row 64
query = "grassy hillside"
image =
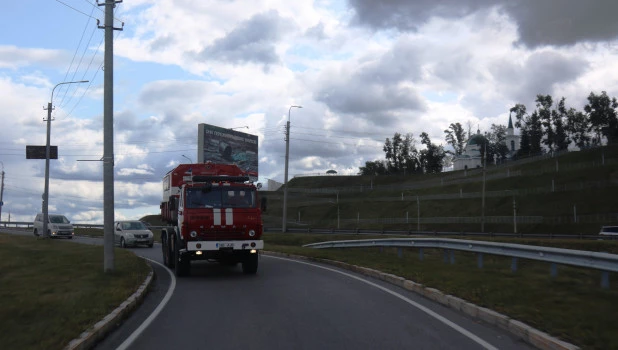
column 573, row 193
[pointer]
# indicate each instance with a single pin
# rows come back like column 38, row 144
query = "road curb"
column 88, row 339
column 519, row 329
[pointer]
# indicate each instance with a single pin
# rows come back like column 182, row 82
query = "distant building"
column 471, row 156
column 512, row 141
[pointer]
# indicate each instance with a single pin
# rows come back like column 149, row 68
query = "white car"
column 132, row 233
column 57, row 226
column 609, row 231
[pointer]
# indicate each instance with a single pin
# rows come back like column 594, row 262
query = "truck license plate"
column 226, row 245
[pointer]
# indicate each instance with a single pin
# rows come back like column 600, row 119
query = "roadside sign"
column 38, row 152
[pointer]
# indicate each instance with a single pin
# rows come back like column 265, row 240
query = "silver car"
column 132, row 233
column 57, row 226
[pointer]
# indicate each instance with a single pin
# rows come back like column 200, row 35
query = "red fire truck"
column 213, row 214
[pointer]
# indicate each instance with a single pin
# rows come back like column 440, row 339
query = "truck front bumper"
column 193, row 246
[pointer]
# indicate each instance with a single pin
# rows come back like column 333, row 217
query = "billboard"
column 39, row 152
column 226, row 146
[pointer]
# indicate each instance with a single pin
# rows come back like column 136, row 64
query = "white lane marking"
column 431, row 313
column 216, row 216
column 229, row 216
column 125, row 345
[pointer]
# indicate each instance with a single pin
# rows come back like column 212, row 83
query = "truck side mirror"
column 263, row 205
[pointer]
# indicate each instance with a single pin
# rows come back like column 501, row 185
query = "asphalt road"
column 293, row 305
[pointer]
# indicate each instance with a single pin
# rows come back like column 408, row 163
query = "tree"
column 544, row 112
column 496, row 146
column 377, row 167
column 532, row 127
column 559, row 119
column 602, row 115
column 524, row 144
column 432, row 157
column 401, row 152
column 456, row 137
column 520, row 114
column 535, row 132
column 577, row 126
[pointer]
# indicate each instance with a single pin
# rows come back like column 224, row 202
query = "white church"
column 471, row 156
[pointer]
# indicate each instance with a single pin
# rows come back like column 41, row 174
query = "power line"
column 77, row 68
column 66, row 89
column 74, row 9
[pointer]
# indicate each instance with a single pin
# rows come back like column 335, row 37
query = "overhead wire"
column 76, row 10
column 65, row 87
column 97, row 52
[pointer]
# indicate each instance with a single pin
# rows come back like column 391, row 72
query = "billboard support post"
column 285, row 180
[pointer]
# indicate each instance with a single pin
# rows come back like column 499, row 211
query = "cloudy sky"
column 361, row 69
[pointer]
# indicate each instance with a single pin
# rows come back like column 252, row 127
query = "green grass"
column 572, row 182
column 571, row 306
column 52, row 291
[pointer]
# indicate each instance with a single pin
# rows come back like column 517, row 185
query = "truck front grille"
column 221, row 235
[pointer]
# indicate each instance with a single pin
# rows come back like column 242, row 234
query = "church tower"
column 512, row 140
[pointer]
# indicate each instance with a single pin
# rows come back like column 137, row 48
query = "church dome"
column 477, row 139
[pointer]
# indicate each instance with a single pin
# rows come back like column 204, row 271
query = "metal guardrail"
column 592, row 260
column 437, row 233
column 28, row 224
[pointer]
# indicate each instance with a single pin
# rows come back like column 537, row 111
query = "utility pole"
column 285, row 182
column 483, row 200
column 2, row 192
column 108, row 136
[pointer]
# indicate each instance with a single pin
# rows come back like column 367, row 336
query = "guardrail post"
column 514, row 265
column 605, row 279
column 420, row 254
column 445, row 253
column 479, row 260
column 554, row 270
column 400, row 252
column 452, row 254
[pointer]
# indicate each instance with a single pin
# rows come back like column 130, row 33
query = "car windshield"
column 133, row 225
column 58, row 219
column 221, row 197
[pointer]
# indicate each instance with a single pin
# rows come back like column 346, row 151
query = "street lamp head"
column 63, row 83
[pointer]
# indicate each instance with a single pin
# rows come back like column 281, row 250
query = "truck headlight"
column 251, row 233
column 193, row 234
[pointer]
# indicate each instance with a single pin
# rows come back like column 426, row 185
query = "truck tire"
column 182, row 266
column 166, row 249
column 250, row 264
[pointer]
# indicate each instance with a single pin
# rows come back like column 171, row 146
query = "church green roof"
column 477, row 139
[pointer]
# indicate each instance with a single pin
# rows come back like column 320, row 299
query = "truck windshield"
column 221, row 197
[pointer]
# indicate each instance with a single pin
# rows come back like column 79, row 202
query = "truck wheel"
column 181, row 266
column 250, row 264
column 167, row 246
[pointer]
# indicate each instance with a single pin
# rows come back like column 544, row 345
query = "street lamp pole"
column 47, row 154
column 285, row 180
